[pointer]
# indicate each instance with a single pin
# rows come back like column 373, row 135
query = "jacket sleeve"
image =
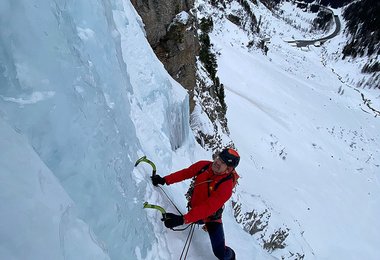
column 211, row 204
column 185, row 173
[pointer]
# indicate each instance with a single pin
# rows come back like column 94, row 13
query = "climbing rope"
column 186, row 247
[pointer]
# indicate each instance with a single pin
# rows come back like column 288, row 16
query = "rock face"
column 171, row 31
column 171, row 27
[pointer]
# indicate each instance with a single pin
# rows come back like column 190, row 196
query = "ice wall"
column 38, row 219
column 157, row 107
column 79, row 81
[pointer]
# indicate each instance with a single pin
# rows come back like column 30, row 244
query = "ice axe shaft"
column 151, row 206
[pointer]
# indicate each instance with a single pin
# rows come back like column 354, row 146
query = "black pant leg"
column 216, row 234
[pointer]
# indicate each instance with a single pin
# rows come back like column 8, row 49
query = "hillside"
column 363, row 26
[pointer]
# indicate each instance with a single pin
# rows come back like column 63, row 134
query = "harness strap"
column 218, row 213
column 203, row 169
column 228, row 177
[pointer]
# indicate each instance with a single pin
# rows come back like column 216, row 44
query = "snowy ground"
column 307, row 149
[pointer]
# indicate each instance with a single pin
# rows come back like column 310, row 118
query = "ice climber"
column 212, row 186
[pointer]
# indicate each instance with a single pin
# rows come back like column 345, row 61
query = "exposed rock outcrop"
column 171, row 28
column 171, row 31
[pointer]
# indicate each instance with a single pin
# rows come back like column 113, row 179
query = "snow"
column 349, row 70
column 83, row 96
column 311, row 151
column 183, row 18
column 202, row 123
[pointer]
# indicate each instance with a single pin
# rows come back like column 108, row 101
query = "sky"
column 83, row 97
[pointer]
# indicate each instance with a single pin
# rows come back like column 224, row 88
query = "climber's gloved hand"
column 172, row 220
column 157, row 179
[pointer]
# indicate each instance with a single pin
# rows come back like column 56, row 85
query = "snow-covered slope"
column 310, row 154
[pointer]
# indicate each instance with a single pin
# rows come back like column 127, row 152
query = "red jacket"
column 205, row 201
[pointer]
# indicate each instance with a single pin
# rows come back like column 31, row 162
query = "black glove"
column 157, row 179
column 172, row 220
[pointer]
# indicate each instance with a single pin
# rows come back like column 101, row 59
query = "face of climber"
column 218, row 166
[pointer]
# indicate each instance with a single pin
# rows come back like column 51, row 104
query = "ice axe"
column 163, row 212
column 147, row 205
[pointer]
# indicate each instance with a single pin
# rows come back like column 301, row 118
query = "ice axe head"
column 144, row 159
column 140, row 160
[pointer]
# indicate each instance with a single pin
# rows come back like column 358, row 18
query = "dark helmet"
column 230, row 157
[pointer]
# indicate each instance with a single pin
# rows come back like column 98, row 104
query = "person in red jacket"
column 212, row 187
